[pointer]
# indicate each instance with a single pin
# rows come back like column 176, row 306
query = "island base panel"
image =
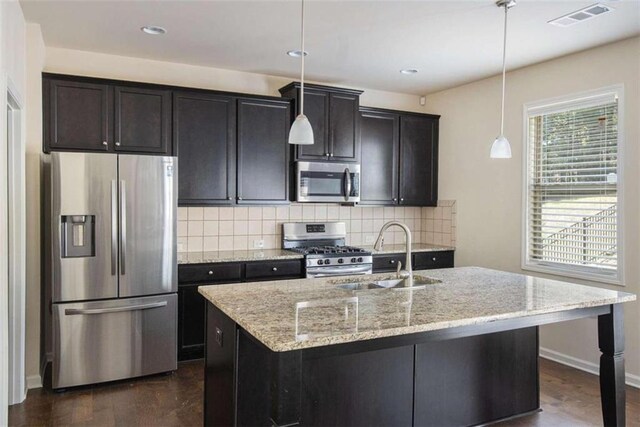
column 464, row 381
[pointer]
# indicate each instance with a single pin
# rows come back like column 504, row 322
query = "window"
column 572, row 188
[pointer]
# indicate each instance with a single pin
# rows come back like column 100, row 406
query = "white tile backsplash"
column 226, row 228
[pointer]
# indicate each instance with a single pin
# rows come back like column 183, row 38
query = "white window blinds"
column 572, row 200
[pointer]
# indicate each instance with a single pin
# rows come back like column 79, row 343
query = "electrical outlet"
column 369, row 239
column 258, row 244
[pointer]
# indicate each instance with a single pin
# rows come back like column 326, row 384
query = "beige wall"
column 35, row 63
column 489, row 192
column 75, row 62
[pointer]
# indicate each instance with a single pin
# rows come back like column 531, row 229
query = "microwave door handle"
column 347, row 184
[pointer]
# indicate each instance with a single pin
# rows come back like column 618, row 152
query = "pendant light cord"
column 302, row 61
column 504, row 67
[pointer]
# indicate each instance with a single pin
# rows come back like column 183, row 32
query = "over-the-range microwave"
column 328, row 182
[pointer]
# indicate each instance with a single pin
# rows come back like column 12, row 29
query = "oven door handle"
column 338, row 271
column 347, row 184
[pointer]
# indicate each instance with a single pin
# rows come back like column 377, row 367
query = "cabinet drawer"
column 206, row 273
column 428, row 260
column 273, row 269
column 389, row 262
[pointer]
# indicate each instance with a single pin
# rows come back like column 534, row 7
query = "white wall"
column 12, row 77
column 67, row 61
column 489, row 192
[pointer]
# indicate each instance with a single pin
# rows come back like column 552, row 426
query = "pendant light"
column 501, row 149
column 301, row 132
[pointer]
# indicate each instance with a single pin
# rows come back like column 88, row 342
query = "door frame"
column 13, row 147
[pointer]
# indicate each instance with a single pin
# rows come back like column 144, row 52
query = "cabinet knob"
column 228, row 198
column 395, row 199
column 239, row 198
column 210, row 272
column 104, row 143
column 393, row 261
column 331, row 155
column 117, row 144
column 433, row 259
column 401, row 199
column 274, row 269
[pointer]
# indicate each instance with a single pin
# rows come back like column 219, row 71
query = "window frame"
column 574, row 100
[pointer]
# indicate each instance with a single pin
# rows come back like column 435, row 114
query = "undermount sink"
column 361, row 284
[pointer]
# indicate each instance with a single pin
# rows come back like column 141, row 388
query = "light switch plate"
column 369, row 239
column 258, row 244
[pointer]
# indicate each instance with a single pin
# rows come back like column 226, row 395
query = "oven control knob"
column 360, row 259
column 319, row 262
column 340, row 261
column 353, row 259
column 327, row 261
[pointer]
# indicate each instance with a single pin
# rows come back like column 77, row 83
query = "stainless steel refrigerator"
column 111, row 266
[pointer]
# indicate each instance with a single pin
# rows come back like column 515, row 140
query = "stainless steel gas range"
column 324, row 247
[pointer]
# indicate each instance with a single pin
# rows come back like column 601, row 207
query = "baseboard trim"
column 583, row 365
column 34, row 381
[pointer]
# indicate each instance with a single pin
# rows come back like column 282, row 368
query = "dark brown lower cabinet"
column 192, row 306
column 420, row 261
column 444, row 378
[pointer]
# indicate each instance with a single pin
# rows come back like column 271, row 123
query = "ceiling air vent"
column 581, row 15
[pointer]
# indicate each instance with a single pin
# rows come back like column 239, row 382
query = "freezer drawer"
column 113, row 339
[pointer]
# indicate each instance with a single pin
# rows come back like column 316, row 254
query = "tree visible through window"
column 572, row 205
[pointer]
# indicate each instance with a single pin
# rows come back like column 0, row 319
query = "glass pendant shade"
column 501, row 149
column 301, row 132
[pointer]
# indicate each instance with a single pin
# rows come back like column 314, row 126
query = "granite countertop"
column 273, row 254
column 235, row 256
column 304, row 313
column 400, row 249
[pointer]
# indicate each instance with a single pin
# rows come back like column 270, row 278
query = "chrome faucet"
column 407, row 272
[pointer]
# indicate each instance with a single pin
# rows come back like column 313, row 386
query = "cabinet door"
column 316, row 108
column 142, row 120
column 263, row 160
column 418, row 161
column 79, row 116
column 204, row 136
column 344, row 141
column 380, row 136
column 191, row 309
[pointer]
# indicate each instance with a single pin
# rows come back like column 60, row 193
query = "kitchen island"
column 461, row 350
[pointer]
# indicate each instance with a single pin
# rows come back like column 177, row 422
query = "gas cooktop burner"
column 325, row 250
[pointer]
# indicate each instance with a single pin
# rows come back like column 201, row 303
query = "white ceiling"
column 358, row 43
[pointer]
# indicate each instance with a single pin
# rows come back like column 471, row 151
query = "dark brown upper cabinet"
column 85, row 114
column 142, row 120
column 418, row 160
column 333, row 113
column 399, row 158
column 380, row 152
column 77, row 116
column 204, row 133
column 263, row 151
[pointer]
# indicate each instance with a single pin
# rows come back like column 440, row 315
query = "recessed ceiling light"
column 409, row 71
column 153, row 30
column 296, row 53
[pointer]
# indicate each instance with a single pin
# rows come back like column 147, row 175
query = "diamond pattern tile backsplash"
column 227, row 228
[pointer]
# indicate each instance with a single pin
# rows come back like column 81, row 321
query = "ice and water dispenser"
column 78, row 236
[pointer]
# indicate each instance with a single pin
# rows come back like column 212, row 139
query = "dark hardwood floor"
column 569, row 398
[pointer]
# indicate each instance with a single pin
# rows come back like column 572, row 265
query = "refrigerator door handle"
column 77, row 311
column 114, row 226
column 123, row 227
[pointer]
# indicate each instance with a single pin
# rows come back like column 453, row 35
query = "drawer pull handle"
column 210, row 272
column 274, row 269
